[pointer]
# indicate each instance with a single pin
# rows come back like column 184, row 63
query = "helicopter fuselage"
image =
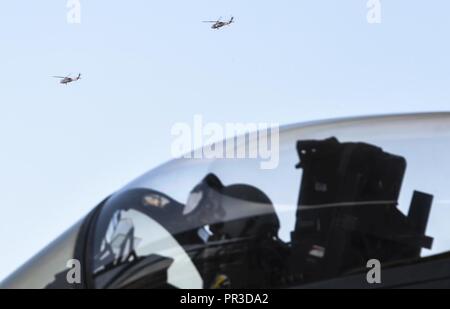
column 219, row 25
column 66, row 80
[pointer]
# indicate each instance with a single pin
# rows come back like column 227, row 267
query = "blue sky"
column 149, row 64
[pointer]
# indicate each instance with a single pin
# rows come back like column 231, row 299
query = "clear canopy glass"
column 344, row 192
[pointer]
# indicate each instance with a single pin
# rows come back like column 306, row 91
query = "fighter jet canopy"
column 342, row 193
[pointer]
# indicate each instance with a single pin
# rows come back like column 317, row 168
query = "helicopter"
column 218, row 24
column 67, row 79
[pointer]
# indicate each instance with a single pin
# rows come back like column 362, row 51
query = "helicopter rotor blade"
column 213, row 21
column 58, row 76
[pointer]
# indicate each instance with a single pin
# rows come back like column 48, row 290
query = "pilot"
column 233, row 211
column 241, row 235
